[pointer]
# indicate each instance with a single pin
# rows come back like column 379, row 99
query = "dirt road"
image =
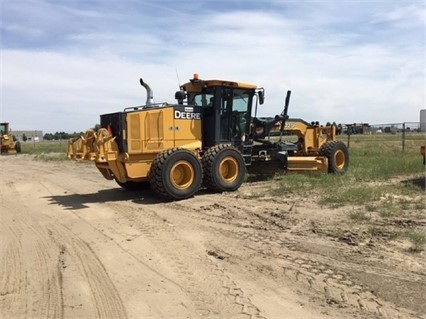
column 74, row 245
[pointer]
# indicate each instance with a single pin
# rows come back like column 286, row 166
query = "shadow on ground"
column 82, row 201
column 416, row 181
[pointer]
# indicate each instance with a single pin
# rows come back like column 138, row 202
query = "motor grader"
column 8, row 144
column 208, row 138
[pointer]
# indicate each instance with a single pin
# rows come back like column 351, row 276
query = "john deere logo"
column 187, row 115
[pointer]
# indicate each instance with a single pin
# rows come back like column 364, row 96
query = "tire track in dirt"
column 29, row 266
column 35, row 266
column 105, row 298
column 264, row 239
column 214, row 293
column 84, row 212
column 12, row 279
column 214, row 248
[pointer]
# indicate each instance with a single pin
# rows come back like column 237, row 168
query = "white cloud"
column 414, row 13
column 340, row 67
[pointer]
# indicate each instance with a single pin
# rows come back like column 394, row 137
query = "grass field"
column 373, row 166
column 44, row 147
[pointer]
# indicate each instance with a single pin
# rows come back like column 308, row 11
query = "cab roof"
column 196, row 85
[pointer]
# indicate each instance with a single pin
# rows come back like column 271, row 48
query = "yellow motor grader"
column 209, row 137
column 8, row 144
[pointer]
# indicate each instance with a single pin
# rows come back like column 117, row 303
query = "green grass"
column 359, row 216
column 382, row 232
column 417, row 239
column 381, row 163
column 44, row 147
column 381, row 157
column 373, row 162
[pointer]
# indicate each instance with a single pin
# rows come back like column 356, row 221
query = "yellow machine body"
column 312, row 138
column 209, row 137
column 149, row 132
column 8, row 144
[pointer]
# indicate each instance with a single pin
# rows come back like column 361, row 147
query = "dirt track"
column 74, row 245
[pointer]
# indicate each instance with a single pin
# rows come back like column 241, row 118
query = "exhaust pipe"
column 149, row 93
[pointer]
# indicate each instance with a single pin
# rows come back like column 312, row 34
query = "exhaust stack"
column 149, row 93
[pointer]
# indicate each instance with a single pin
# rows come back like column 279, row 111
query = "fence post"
column 349, row 138
column 403, row 137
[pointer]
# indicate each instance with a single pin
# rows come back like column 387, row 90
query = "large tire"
column 176, row 174
column 223, row 168
column 18, row 147
column 133, row 186
column 338, row 156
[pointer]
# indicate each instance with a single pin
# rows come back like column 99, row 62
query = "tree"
column 24, row 137
column 48, row 136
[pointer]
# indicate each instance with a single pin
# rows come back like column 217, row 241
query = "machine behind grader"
column 8, row 144
column 210, row 137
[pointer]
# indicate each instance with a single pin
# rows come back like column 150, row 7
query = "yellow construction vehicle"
column 8, row 144
column 209, row 137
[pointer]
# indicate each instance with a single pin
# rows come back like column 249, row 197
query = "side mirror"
column 261, row 97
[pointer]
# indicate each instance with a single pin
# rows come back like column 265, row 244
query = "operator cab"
column 4, row 129
column 226, row 109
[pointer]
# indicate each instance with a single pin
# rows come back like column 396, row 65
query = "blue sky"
column 65, row 62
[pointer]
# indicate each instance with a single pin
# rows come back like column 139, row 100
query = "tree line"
column 63, row 135
column 59, row 136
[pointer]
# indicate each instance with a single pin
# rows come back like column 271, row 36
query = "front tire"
column 338, row 156
column 224, row 168
column 18, row 147
column 176, row 174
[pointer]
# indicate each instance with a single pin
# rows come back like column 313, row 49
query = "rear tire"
column 338, row 156
column 176, row 174
column 224, row 168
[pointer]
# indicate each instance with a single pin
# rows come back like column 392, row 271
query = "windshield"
column 201, row 99
column 238, row 100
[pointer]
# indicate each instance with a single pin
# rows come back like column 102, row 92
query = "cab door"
column 235, row 115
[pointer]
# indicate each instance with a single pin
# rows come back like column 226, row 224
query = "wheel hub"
column 182, row 175
column 228, row 169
